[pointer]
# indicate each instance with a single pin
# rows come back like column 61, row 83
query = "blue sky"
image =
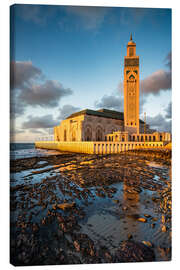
column 69, row 58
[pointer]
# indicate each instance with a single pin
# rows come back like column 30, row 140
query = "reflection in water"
column 131, row 199
column 113, row 195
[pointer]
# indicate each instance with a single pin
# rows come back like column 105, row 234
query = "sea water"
column 27, row 150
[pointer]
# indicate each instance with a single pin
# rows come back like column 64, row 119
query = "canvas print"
column 90, row 160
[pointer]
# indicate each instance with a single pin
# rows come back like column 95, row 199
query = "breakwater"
column 97, row 147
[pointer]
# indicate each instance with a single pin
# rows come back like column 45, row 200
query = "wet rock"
column 155, row 199
column 130, row 236
column 147, row 215
column 163, row 219
column 141, row 219
column 131, row 251
column 63, row 227
column 163, row 229
column 65, row 206
column 35, row 227
column 116, row 201
column 43, row 221
column 108, row 256
column 147, row 243
column 100, row 194
column 77, row 245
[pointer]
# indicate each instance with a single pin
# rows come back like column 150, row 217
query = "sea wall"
column 97, row 147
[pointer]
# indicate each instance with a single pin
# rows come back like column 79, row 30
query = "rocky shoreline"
column 77, row 208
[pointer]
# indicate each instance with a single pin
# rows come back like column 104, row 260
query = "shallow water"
column 107, row 219
column 28, row 150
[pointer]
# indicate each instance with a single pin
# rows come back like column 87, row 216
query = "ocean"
column 27, row 150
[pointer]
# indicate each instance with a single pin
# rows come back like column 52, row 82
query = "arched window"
column 88, row 134
column 131, row 77
column 65, row 135
column 131, row 51
column 99, row 134
column 141, row 138
column 74, row 135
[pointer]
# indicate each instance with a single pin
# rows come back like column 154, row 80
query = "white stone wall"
column 86, row 127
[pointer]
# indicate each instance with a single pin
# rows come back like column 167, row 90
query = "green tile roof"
column 101, row 113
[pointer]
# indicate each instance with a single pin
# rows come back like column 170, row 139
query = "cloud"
column 168, row 61
column 115, row 102
column 47, row 94
column 67, row 110
column 159, row 123
column 23, row 73
column 159, row 80
column 29, row 13
column 90, row 18
column 16, row 108
column 37, row 131
column 110, row 102
column 29, row 88
column 168, row 111
column 36, row 122
column 14, row 131
column 38, row 14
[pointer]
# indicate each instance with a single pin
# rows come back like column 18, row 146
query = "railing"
column 96, row 147
column 45, row 138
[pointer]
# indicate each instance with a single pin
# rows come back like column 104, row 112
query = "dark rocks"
column 130, row 236
column 77, row 245
column 141, row 219
column 131, row 251
column 51, row 233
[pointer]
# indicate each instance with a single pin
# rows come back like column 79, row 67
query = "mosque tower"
column 131, row 89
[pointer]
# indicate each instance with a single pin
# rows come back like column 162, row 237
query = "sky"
column 66, row 58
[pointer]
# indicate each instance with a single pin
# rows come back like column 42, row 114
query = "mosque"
column 109, row 125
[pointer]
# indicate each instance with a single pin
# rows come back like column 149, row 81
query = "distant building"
column 109, row 125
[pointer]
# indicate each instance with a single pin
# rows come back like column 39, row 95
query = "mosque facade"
column 110, row 125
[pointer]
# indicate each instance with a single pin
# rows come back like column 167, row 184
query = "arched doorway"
column 88, row 133
column 99, row 133
column 65, row 135
column 73, row 135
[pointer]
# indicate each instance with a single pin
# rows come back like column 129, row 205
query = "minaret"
column 131, row 89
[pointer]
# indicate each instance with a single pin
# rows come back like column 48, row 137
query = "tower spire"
column 131, row 36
